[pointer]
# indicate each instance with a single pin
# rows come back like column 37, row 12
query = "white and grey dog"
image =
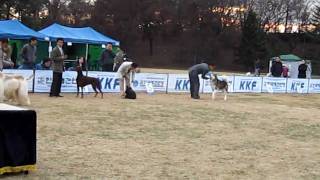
column 218, row 85
column 14, row 88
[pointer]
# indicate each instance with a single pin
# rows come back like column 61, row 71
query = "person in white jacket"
column 124, row 73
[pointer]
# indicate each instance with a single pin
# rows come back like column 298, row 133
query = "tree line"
column 178, row 33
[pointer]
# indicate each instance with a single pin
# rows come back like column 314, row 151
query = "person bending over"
column 125, row 70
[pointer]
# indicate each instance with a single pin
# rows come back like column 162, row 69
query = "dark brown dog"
column 83, row 81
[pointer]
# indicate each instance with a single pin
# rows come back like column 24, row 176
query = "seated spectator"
column 80, row 62
column 276, row 68
column 44, row 65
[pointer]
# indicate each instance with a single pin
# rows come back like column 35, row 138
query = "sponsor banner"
column 158, row 81
column 180, row 83
column 297, row 85
column 314, row 86
column 109, row 81
column 274, row 85
column 25, row 73
column 43, row 80
column 243, row 84
column 207, row 84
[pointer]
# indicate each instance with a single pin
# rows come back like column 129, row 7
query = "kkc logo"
column 109, row 83
column 297, row 86
column 182, row 85
column 248, row 85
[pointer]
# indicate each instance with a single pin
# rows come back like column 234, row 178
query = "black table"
column 17, row 139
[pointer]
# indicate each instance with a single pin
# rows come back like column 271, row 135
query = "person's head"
column 303, row 62
column 81, row 60
column 4, row 43
column 60, row 42
column 47, row 62
column 134, row 67
column 109, row 47
column 212, row 67
column 278, row 59
column 33, row 41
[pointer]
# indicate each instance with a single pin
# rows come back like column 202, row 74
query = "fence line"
column 173, row 83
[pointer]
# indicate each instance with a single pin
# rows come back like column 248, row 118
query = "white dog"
column 14, row 88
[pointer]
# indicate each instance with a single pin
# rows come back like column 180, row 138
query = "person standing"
column 303, row 67
column 285, row 71
column 124, row 71
column 4, row 60
column 257, row 67
column 58, row 57
column 118, row 60
column 28, row 54
column 5, row 55
column 106, row 59
column 276, row 68
column 194, row 73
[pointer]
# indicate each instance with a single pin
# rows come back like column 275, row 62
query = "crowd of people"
column 281, row 70
column 109, row 62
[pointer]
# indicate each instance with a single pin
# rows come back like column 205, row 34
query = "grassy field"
column 251, row 136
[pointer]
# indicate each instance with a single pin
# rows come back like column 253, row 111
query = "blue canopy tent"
column 14, row 29
column 84, row 35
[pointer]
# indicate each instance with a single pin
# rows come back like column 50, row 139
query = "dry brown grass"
column 251, row 136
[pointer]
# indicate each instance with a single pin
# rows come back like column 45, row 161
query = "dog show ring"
column 18, row 129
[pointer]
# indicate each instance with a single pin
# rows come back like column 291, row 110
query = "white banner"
column 25, row 73
column 274, row 85
column 109, row 81
column 158, row 81
column 297, row 85
column 180, row 83
column 245, row 84
column 314, row 86
column 43, row 80
column 207, row 84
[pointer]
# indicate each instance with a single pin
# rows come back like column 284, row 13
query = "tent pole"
column 49, row 49
column 87, row 51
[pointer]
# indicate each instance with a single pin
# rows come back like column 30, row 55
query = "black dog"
column 83, row 81
column 130, row 94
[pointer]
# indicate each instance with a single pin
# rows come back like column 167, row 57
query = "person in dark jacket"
column 28, row 54
column 107, row 59
column 303, row 70
column 257, row 67
column 276, row 68
column 194, row 72
column 58, row 57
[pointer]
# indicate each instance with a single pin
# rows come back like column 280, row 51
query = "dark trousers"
column 194, row 84
column 107, row 67
column 56, row 84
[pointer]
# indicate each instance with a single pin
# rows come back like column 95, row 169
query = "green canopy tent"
column 290, row 57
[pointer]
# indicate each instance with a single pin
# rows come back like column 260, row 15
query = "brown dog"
column 83, row 81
